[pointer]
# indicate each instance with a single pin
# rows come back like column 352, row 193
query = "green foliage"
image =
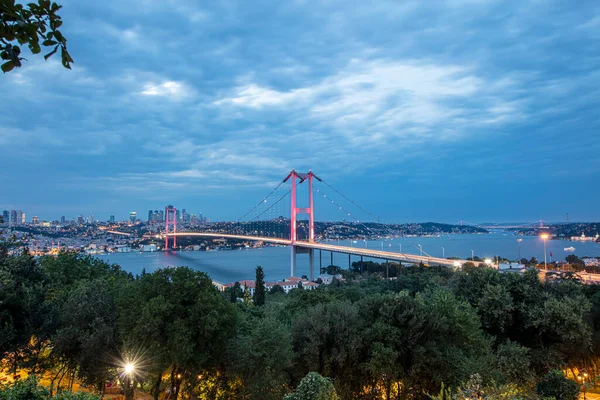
column 29, row 389
column 235, row 292
column 86, row 339
column 474, row 334
column 556, row 385
column 259, row 287
column 573, row 259
column 276, row 289
column 314, row 387
column 34, row 25
column 24, row 310
column 178, row 321
column 264, row 366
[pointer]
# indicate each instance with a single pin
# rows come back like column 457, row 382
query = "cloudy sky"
column 481, row 110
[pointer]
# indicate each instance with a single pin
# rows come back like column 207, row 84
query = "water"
column 234, row 265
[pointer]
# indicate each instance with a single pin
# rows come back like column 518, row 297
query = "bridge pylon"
column 170, row 225
column 297, row 178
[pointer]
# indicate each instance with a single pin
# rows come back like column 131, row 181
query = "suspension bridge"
column 265, row 222
column 530, row 225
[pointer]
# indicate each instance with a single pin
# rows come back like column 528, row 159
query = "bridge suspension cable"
column 261, row 202
column 384, row 226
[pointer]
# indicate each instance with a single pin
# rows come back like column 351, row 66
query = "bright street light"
column 456, row 264
column 488, row 261
column 129, row 368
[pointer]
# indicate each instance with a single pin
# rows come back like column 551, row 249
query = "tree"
column 30, row 24
column 259, row 287
column 178, row 317
column 235, row 292
column 327, row 339
column 262, row 354
column 314, row 387
column 86, row 340
column 556, row 385
column 276, row 289
column 26, row 318
column 574, row 260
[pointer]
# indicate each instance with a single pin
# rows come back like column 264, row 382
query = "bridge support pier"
column 293, row 261
column 311, row 265
column 320, row 262
column 311, row 260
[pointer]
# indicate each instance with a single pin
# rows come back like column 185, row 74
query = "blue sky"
column 481, row 110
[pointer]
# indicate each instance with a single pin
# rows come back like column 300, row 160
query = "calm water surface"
column 233, row 265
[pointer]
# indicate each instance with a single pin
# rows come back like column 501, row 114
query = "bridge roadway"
column 371, row 253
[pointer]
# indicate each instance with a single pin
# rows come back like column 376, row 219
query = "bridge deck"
column 371, row 253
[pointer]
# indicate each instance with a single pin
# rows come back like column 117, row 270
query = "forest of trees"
column 427, row 332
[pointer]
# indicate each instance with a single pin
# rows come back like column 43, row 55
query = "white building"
column 591, row 261
column 287, row 285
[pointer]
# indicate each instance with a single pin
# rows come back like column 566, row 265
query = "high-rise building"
column 150, row 216
column 22, row 217
column 80, row 219
column 6, row 216
column 132, row 216
column 111, row 219
column 63, row 219
column 35, row 220
column 161, row 216
column 178, row 215
column 15, row 217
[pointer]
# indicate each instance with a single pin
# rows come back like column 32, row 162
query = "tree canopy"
column 35, row 25
column 430, row 330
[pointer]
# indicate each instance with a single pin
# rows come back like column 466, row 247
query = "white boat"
column 570, row 249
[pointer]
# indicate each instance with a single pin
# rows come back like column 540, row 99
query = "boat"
column 570, row 249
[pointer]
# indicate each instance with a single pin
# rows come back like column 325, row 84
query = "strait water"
column 234, row 265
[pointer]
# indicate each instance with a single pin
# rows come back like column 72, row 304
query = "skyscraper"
column 80, row 219
column 150, row 216
column 132, row 216
column 111, row 219
column 35, row 220
column 63, row 219
column 6, row 216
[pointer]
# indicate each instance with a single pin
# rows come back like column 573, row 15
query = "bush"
column 556, row 385
column 314, row 387
column 29, row 389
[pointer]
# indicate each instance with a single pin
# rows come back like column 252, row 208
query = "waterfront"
column 232, row 265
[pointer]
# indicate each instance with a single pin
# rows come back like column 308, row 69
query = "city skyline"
column 447, row 111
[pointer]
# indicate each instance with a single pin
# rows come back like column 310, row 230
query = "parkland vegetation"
column 71, row 322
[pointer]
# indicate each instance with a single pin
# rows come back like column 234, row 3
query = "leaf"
column 59, row 36
column 49, row 42
column 47, row 56
column 35, row 48
column 66, row 58
column 7, row 66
